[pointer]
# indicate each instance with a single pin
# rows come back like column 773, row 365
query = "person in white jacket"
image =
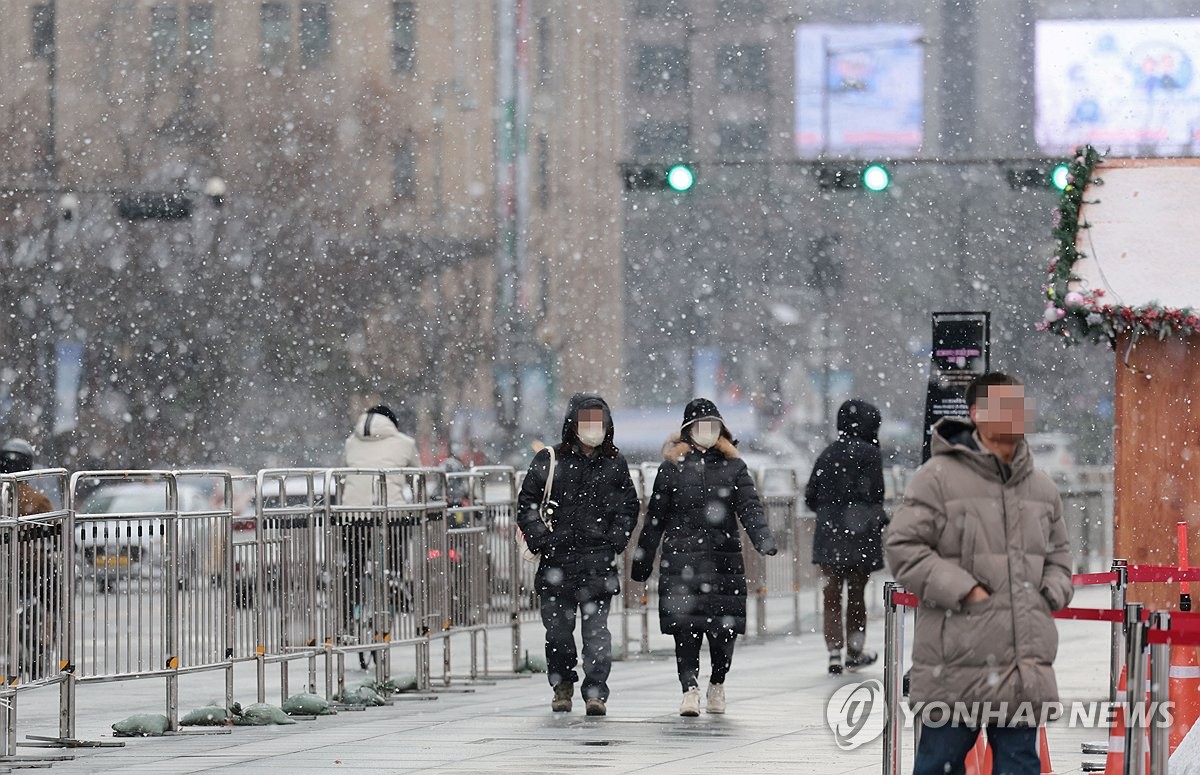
column 377, row 442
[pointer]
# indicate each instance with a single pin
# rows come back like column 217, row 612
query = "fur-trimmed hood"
column 674, row 449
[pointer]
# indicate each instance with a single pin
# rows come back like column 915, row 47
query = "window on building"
column 404, row 170
column 316, row 34
column 742, row 68
column 543, row 171
column 42, row 39
column 742, row 139
column 544, row 42
column 741, row 10
column 276, row 35
column 404, row 36
column 164, row 36
column 662, row 70
column 666, row 140
column 668, row 8
column 201, row 33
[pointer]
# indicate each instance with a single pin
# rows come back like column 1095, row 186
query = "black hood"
column 698, row 409
column 570, row 425
column 858, row 419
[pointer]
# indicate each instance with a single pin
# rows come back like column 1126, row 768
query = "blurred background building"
column 227, row 226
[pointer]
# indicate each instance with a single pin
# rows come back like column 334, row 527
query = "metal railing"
column 134, row 575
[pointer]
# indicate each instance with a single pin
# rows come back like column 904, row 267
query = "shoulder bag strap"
column 549, row 478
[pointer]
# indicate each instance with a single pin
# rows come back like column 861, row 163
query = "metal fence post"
column 1117, row 642
column 260, row 585
column 1160, row 659
column 10, row 567
column 515, row 560
column 1135, row 686
column 794, row 540
column 892, row 654
column 171, row 601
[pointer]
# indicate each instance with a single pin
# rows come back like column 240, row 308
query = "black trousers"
column 559, row 604
column 687, row 655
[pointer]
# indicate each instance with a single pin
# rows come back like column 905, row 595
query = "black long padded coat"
column 694, row 513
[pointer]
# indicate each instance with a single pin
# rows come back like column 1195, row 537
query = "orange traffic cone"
column 1184, row 687
column 1044, row 752
column 979, row 758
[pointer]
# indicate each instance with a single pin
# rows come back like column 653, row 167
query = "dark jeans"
column 854, row 632
column 687, row 656
column 942, row 750
column 559, row 604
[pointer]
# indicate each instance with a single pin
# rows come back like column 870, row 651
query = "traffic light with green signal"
column 1055, row 177
column 679, row 177
column 873, row 177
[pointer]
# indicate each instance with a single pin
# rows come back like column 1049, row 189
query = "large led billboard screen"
column 859, row 89
column 1127, row 85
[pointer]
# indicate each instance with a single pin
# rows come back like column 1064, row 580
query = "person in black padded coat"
column 846, row 493
column 595, row 512
column 702, row 490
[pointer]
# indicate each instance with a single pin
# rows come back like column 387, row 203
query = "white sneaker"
column 716, row 698
column 691, row 702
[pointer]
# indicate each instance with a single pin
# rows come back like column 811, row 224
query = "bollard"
column 892, row 676
column 1160, row 660
column 1117, row 640
column 1135, row 686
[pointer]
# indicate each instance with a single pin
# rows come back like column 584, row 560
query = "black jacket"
column 845, row 491
column 597, row 505
column 694, row 513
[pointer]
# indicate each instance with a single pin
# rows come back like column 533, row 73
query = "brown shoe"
column 596, row 707
column 562, row 697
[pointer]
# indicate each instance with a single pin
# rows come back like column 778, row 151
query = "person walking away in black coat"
column 702, row 490
column 595, row 511
column 845, row 491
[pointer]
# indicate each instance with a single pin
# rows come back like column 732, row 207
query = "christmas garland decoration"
column 1077, row 315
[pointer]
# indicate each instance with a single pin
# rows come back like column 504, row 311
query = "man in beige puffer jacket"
column 980, row 539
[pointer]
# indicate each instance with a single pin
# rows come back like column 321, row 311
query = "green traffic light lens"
column 1058, row 177
column 680, row 177
column 876, row 178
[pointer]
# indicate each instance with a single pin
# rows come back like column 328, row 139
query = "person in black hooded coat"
column 845, row 491
column 595, row 512
column 701, row 492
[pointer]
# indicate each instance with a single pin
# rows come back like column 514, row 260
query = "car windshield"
column 126, row 501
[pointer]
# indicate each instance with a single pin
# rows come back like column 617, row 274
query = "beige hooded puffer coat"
column 967, row 519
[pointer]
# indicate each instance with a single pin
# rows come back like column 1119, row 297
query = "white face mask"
column 706, row 433
column 591, row 433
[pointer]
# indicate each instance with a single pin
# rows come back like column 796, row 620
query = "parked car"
column 120, row 534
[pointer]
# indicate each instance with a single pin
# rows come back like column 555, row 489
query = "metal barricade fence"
column 390, row 581
column 512, row 593
column 151, row 593
column 290, row 590
column 633, row 594
column 467, row 561
column 780, row 576
column 34, row 530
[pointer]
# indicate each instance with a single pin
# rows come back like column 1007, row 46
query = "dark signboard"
column 960, row 353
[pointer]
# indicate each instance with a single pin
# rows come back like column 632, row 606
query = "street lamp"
column 215, row 190
column 68, row 205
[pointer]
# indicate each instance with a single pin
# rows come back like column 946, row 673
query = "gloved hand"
column 642, row 566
